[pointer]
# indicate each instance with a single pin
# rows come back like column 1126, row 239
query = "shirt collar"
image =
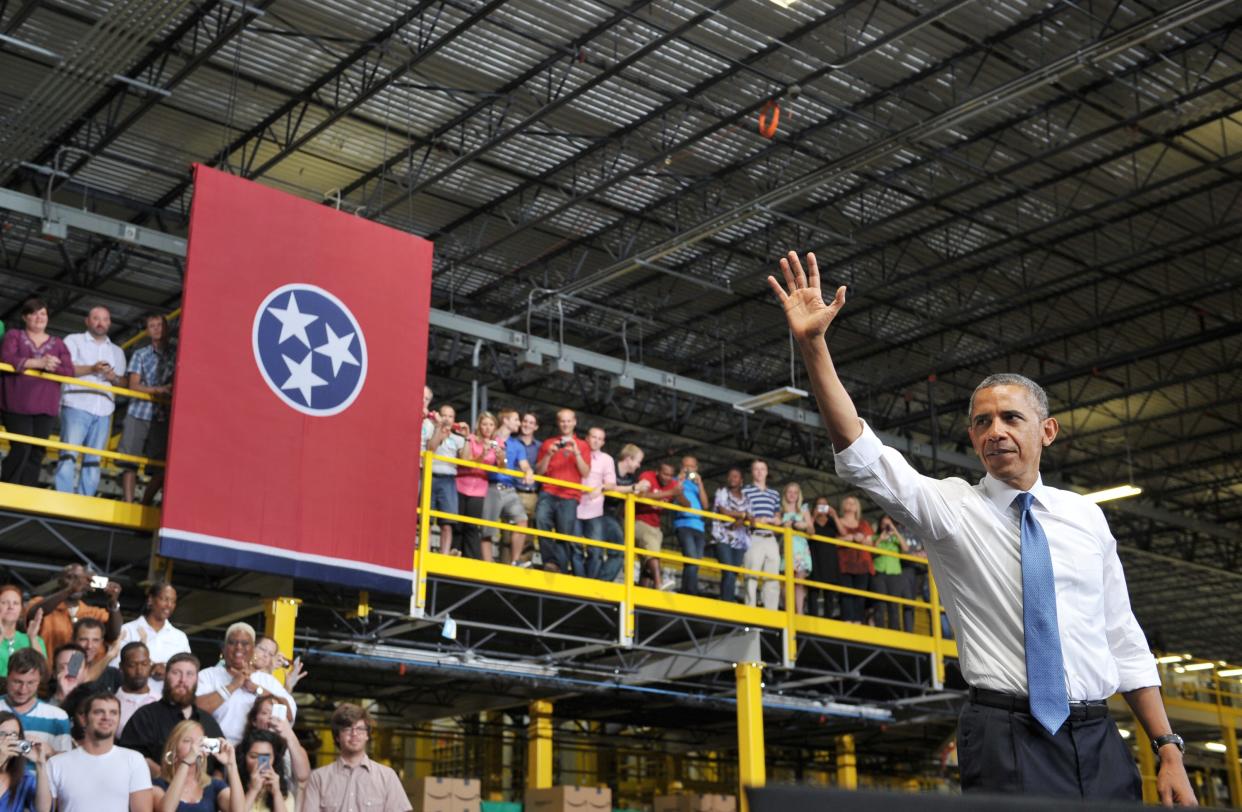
column 364, row 764
column 1002, row 495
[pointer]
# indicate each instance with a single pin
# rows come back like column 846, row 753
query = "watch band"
column 1168, row 738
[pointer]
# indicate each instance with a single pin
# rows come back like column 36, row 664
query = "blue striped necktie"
column 1045, row 668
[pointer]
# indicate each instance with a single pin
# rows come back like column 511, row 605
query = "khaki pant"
column 647, row 537
column 764, row 555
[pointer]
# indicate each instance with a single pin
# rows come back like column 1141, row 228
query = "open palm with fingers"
column 809, row 316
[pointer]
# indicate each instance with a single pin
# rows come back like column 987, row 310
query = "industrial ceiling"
column 1042, row 187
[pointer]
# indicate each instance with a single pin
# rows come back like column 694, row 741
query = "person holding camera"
column 43, row 722
column 86, row 412
column 186, row 784
column 563, row 457
column 690, row 529
column 98, row 774
column 65, row 607
column 18, row 785
column 480, row 446
column 443, row 435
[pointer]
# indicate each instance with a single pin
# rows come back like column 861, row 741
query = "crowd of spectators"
column 37, row 407
column 124, row 715
column 510, row 440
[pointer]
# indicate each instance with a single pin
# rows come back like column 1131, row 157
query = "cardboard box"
column 690, row 802
column 569, row 799
column 446, row 795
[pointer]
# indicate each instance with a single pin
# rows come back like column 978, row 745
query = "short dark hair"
column 87, row 704
column 29, row 659
column 182, row 657
column 133, row 646
column 89, row 623
column 33, row 305
column 346, row 716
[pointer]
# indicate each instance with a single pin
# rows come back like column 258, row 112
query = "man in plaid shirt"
column 145, row 432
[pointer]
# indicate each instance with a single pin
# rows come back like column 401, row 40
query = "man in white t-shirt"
column 228, row 690
column 98, row 775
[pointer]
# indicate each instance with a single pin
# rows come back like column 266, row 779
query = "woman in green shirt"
column 888, row 580
column 10, row 638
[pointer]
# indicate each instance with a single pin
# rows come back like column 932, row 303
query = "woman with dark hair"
column 17, row 784
column 31, row 404
column 265, row 717
column 262, row 766
column 732, row 538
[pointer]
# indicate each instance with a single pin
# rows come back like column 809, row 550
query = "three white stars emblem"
column 298, row 381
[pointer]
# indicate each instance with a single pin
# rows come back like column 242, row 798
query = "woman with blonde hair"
column 856, row 565
column 480, row 446
column 794, row 514
column 185, row 785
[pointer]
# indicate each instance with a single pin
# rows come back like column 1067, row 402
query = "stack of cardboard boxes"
column 690, row 802
column 446, row 795
column 569, row 799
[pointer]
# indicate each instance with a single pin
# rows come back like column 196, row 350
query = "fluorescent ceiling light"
column 1119, row 492
column 31, row 47
column 1230, row 672
column 775, row 397
column 784, row 3
column 1170, row 658
column 1216, row 747
column 1200, row 666
column 1125, row 734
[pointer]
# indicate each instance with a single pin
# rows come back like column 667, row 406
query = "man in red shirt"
column 565, row 457
column 647, row 533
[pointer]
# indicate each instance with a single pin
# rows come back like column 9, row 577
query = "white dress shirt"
column 86, row 351
column 973, row 542
column 233, row 711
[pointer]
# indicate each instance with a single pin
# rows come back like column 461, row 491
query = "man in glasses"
column 354, row 782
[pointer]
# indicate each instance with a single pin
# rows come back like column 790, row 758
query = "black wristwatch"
column 1170, row 738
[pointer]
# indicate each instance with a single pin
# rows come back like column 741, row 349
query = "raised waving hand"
column 809, row 316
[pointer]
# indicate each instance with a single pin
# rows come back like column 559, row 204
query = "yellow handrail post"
column 847, row 763
column 1232, row 768
column 280, row 622
column 751, row 768
column 1147, row 766
column 791, row 643
column 627, row 575
column 937, row 641
column 539, row 746
column 418, row 596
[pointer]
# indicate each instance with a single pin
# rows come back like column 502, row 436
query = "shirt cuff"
column 1138, row 672
column 861, row 454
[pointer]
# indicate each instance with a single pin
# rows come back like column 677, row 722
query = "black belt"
column 1088, row 709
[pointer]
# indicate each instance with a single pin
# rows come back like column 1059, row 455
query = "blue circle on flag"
column 310, row 349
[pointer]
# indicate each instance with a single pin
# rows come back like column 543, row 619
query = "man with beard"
column 99, row 774
column 149, row 727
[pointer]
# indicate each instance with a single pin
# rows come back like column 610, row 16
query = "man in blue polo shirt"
column 503, row 503
column 42, row 722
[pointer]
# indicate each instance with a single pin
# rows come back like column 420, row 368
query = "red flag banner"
column 297, row 402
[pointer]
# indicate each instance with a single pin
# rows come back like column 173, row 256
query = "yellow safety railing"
column 105, row 453
column 427, row 559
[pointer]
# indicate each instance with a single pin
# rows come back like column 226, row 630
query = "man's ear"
column 1051, row 428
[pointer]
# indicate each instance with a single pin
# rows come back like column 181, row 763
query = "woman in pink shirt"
column 480, row 446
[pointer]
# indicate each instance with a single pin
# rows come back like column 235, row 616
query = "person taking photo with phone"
column 263, row 773
column 186, row 784
column 269, row 716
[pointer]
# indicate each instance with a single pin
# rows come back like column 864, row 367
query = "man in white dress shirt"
column 86, row 413
column 1031, row 582
column 228, row 690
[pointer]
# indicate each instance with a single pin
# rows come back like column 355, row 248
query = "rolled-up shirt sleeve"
column 888, row 478
column 1136, row 665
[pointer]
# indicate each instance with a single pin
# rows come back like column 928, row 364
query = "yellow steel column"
column 627, row 574
column 424, row 750
column 1147, row 766
column 281, row 615
column 937, row 637
column 539, row 746
column 751, row 768
column 791, row 644
column 419, row 597
column 1232, row 768
column 847, row 763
